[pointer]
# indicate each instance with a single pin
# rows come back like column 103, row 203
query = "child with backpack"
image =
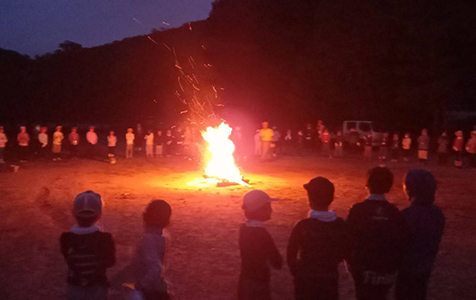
column 88, row 251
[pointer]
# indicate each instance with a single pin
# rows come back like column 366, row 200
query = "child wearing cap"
column 87, row 250
column 257, row 248
column 149, row 258
column 317, row 245
column 377, row 235
column 425, row 223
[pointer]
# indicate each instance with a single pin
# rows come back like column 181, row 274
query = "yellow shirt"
column 266, row 134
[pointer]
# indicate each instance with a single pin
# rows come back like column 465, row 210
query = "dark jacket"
column 425, row 224
column 316, row 248
column 377, row 234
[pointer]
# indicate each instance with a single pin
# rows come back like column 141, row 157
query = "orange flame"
column 221, row 163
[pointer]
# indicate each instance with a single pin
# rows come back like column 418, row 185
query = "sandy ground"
column 203, row 258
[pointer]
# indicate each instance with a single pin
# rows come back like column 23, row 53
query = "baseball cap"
column 320, row 187
column 88, row 203
column 255, row 199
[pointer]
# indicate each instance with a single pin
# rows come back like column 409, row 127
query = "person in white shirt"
column 43, row 139
column 92, row 139
column 111, row 145
column 3, row 143
column 149, row 144
column 130, row 142
column 57, row 141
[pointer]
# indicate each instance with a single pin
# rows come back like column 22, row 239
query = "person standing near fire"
column 149, row 144
column 326, row 143
column 257, row 140
column 58, row 137
column 111, row 147
column 266, row 135
column 471, row 149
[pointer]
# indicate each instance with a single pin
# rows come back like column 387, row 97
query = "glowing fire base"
column 220, row 163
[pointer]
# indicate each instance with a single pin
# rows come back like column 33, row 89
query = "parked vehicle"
column 362, row 128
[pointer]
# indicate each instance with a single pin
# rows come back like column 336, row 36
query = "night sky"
column 37, row 26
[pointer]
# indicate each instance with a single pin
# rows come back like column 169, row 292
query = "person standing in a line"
column 111, row 146
column 159, row 144
column 339, row 145
column 257, row 140
column 458, row 146
column 368, row 146
column 73, row 141
column 92, row 139
column 471, row 149
column 149, row 144
column 406, row 146
column 23, row 139
column 395, row 147
column 43, row 140
column 130, row 143
column 266, row 134
column 326, row 143
column 442, row 149
column 3, row 143
column 57, row 141
column 423, row 144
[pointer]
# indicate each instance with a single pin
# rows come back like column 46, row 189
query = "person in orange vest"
column 471, row 149
column 458, row 145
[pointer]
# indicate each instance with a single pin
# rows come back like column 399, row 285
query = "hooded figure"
column 425, row 223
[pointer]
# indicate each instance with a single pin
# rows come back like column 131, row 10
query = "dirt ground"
column 202, row 258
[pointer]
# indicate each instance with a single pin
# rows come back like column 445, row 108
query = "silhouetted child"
column 257, row 248
column 3, row 143
column 425, row 223
column 377, row 234
column 317, row 245
column 87, row 250
column 159, row 144
column 149, row 258
column 43, row 140
column 406, row 146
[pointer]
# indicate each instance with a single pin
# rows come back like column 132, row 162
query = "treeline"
column 401, row 62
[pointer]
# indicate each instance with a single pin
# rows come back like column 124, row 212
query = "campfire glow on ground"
column 219, row 160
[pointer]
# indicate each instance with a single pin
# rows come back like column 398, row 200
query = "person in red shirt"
column 326, row 143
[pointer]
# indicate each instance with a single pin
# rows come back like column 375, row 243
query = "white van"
column 362, row 128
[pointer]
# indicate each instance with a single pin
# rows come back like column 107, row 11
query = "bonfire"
column 219, row 160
